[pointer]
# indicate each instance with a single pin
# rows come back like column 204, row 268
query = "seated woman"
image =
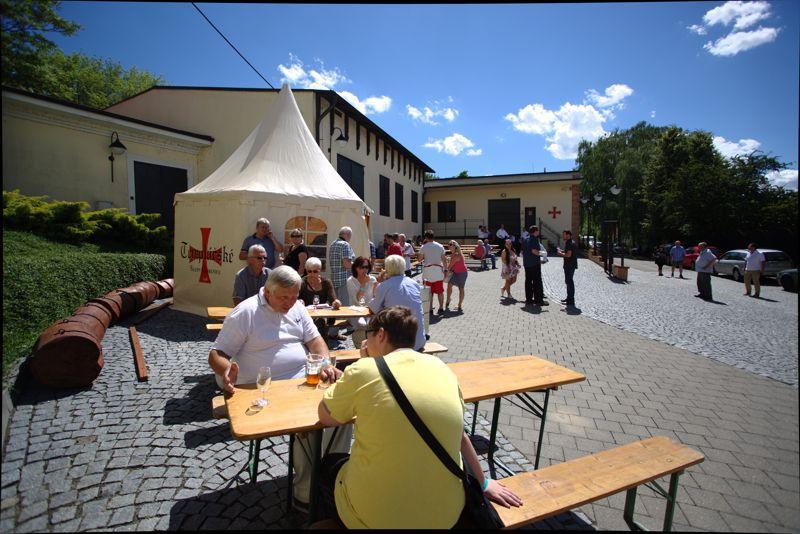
column 360, row 286
column 314, row 285
column 392, row 479
column 398, row 290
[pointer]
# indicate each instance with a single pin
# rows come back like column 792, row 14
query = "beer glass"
column 314, row 365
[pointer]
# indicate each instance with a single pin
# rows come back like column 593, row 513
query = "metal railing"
column 464, row 228
column 548, row 233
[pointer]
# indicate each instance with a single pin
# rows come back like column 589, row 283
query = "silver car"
column 732, row 263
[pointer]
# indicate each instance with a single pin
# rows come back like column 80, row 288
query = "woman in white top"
column 360, row 286
column 408, row 252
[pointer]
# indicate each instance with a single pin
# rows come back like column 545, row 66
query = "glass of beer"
column 314, row 366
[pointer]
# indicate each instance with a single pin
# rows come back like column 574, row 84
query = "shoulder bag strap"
column 414, row 419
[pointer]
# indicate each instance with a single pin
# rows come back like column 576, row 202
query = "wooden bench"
column 558, row 488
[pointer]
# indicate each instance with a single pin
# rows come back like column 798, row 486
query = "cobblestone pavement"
column 758, row 335
column 124, row 455
column 746, row 425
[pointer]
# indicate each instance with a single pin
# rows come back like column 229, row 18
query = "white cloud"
column 454, row 145
column 295, row 74
column 566, row 127
column 370, row 105
column 736, row 42
column 653, row 114
column 614, row 95
column 734, row 148
column 428, row 116
column 699, row 29
column 744, row 13
column 786, row 178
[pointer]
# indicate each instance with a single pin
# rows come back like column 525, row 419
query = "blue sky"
column 508, row 88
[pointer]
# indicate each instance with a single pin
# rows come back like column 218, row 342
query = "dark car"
column 788, row 279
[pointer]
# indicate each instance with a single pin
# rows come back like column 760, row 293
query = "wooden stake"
column 138, row 357
column 150, row 311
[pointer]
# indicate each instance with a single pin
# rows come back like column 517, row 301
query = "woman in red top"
column 394, row 247
column 458, row 274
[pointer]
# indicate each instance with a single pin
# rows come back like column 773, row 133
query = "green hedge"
column 44, row 281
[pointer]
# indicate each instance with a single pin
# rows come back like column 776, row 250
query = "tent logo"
column 218, row 256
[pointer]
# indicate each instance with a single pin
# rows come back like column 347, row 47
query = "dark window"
column 447, row 211
column 368, row 137
column 398, row 201
column 414, row 206
column 353, row 174
column 426, row 212
column 404, row 166
column 391, row 150
column 358, row 136
column 385, row 153
column 384, row 181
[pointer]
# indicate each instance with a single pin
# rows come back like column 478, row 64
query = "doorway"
column 504, row 211
column 530, row 216
column 155, row 187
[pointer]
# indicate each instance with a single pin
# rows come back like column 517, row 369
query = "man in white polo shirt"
column 272, row 328
column 754, row 265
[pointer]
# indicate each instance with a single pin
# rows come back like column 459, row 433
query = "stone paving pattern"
column 147, row 456
column 746, row 425
column 758, row 335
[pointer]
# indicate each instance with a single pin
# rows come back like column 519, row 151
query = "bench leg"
column 474, row 419
column 493, row 436
column 290, row 475
column 669, row 513
column 316, row 452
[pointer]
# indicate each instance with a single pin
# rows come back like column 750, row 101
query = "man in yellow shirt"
column 392, row 479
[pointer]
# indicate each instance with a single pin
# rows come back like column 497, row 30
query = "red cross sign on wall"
column 204, row 255
column 554, row 212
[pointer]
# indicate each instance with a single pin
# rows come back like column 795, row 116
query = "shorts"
column 677, row 263
column 459, row 279
column 437, row 288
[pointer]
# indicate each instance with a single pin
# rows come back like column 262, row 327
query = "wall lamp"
column 117, row 148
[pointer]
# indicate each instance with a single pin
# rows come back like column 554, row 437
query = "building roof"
column 104, row 113
column 328, row 93
column 504, row 179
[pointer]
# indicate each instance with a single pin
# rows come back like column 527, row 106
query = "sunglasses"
column 296, row 236
column 371, row 330
column 363, row 267
column 260, row 258
column 312, row 272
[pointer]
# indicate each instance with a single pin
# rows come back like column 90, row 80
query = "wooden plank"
column 218, row 408
column 218, row 312
column 351, row 355
column 568, row 485
column 214, row 327
column 345, row 312
column 138, row 357
column 293, row 405
column 150, row 311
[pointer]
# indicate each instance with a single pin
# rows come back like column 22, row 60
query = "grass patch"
column 44, row 281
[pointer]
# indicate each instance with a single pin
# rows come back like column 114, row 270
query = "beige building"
column 177, row 136
column 455, row 207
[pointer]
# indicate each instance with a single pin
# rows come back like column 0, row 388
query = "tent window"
column 315, row 235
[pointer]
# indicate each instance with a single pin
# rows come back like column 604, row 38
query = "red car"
column 693, row 252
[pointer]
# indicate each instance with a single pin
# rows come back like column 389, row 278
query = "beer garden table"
column 293, row 405
column 345, row 312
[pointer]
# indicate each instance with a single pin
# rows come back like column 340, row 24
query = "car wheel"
column 788, row 283
column 737, row 275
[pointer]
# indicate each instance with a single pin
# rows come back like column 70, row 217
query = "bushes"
column 45, row 281
column 70, row 222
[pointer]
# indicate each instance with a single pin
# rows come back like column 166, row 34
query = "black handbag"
column 476, row 505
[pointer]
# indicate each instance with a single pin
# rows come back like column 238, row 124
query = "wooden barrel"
column 67, row 355
column 128, row 300
column 95, row 311
column 111, row 301
column 144, row 293
column 164, row 289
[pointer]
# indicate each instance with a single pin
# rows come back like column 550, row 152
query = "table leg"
column 316, row 451
column 290, row 475
column 255, row 450
column 493, row 436
column 541, row 429
column 474, row 419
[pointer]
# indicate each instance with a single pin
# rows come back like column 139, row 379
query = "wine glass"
column 316, row 301
column 330, row 360
column 362, row 301
column 264, row 380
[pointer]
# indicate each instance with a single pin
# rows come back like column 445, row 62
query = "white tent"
column 278, row 172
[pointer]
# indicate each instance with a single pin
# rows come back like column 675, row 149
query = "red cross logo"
column 554, row 212
column 205, row 255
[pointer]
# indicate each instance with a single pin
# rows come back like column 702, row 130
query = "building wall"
column 229, row 116
column 472, row 202
column 373, row 169
column 46, row 152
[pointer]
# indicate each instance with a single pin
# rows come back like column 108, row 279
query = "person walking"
column 570, row 255
column 660, row 257
column 676, row 254
column 509, row 268
column 754, row 264
column 704, row 265
column 434, row 263
column 458, row 275
column 408, row 252
column 531, row 249
column 340, row 261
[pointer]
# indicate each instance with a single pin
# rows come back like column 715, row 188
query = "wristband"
column 485, row 483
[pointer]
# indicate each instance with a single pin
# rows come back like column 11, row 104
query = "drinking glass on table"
column 264, row 380
column 330, row 360
column 314, row 365
column 316, row 301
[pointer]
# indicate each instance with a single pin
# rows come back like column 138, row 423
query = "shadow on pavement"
column 195, row 407
column 173, row 325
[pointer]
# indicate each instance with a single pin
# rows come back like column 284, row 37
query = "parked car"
column 732, row 263
column 788, row 279
column 693, row 252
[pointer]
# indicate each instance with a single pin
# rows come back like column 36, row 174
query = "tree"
column 462, row 174
column 34, row 63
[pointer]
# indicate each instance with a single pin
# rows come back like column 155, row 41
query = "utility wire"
column 231, row 45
